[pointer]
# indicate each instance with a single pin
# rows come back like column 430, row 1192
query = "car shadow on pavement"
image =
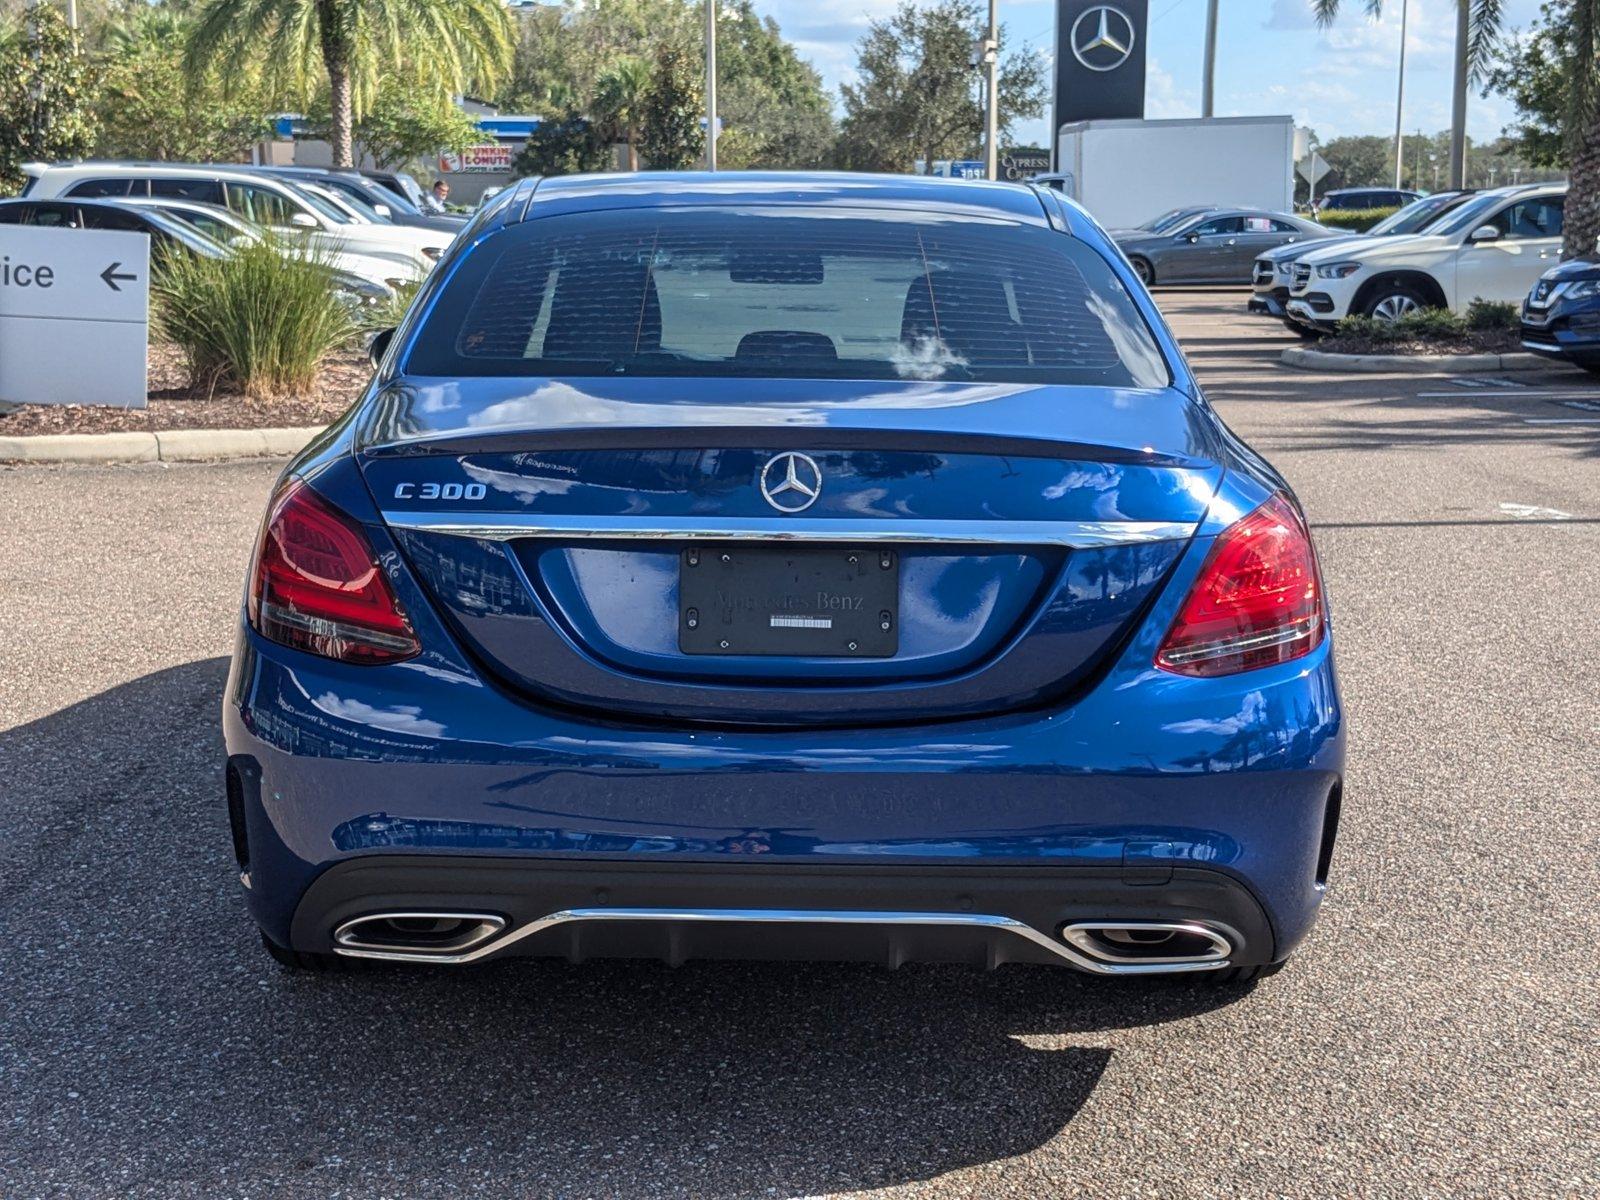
column 151, row 1046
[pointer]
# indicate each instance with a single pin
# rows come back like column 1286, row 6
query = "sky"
column 1271, row 59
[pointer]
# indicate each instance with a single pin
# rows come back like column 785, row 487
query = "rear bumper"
column 982, row 915
column 1109, row 808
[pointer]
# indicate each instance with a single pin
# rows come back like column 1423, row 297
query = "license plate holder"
column 790, row 601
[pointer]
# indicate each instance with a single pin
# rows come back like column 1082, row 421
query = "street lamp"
column 711, row 85
column 1208, row 74
column 991, row 107
column 1400, row 93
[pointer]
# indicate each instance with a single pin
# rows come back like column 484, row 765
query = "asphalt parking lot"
column 1438, row 1036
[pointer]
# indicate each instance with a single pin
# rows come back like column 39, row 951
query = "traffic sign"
column 1312, row 168
column 74, row 315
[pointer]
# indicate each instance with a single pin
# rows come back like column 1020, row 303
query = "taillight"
column 316, row 585
column 1257, row 601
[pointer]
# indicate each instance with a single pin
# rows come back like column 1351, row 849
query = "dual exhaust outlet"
column 1097, row 947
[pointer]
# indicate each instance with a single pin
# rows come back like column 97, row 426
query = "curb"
column 1413, row 364
column 173, row 445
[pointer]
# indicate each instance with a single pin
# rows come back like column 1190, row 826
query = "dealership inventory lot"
column 1436, row 1035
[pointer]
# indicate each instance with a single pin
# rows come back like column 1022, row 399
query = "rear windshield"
column 772, row 294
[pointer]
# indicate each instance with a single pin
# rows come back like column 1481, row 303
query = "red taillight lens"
column 1257, row 602
column 316, row 585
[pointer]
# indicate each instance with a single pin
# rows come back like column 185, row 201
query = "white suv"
column 1494, row 247
column 264, row 200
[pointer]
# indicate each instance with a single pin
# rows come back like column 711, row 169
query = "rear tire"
column 298, row 960
column 1393, row 301
column 1143, row 269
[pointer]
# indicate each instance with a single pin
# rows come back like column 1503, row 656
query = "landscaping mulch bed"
column 173, row 404
column 1487, row 341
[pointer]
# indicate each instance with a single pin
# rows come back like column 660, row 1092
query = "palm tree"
column 619, row 96
column 1477, row 29
column 359, row 44
column 1581, row 222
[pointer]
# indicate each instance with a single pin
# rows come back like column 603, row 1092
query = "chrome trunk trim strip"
column 502, row 527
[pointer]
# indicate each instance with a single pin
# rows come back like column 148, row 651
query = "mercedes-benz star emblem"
column 791, row 481
column 1102, row 38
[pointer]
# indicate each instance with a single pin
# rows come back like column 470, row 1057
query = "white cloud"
column 1289, row 14
column 1162, row 95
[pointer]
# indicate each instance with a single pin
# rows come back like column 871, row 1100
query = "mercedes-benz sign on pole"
column 1099, row 71
column 74, row 316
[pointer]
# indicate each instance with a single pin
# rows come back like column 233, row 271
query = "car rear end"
column 763, row 569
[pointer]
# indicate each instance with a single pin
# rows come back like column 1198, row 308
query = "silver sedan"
column 1218, row 246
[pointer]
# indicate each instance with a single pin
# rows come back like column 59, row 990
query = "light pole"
column 1458, row 101
column 991, row 107
column 711, row 85
column 1400, row 94
column 1208, row 74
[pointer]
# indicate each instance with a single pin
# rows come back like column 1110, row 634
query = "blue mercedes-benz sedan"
column 784, row 566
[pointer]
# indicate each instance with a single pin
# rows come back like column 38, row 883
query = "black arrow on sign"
column 110, row 276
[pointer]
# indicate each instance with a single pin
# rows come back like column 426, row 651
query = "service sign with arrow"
column 74, row 315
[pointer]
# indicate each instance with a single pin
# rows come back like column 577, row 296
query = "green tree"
column 402, row 130
column 355, row 44
column 1477, row 32
column 916, row 92
column 1357, row 162
column 565, row 142
column 1531, row 70
column 775, row 111
column 619, row 103
column 1581, row 225
column 46, row 94
column 672, row 138
column 149, row 107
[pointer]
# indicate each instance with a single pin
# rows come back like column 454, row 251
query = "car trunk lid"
column 784, row 552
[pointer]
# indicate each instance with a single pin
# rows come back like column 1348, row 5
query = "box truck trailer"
column 1125, row 172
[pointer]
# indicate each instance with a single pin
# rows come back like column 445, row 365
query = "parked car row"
column 1492, row 247
column 1274, row 271
column 1446, row 250
column 373, row 236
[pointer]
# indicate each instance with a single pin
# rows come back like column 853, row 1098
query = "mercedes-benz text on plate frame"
column 784, row 566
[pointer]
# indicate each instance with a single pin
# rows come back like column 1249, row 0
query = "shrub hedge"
column 261, row 320
column 1434, row 324
column 1358, row 219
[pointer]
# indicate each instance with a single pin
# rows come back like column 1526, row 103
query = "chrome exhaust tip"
column 1149, row 943
column 413, row 935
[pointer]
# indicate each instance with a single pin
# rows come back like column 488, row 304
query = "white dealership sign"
column 74, row 315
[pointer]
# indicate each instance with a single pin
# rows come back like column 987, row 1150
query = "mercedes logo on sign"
column 791, row 481
column 1102, row 38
